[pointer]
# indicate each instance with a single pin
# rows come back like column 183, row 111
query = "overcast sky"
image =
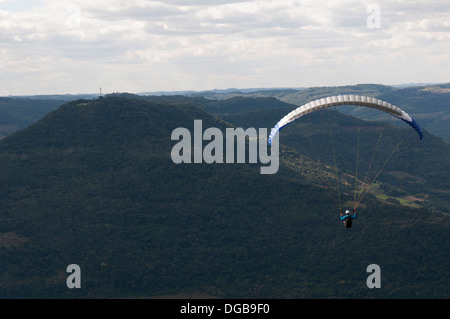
column 78, row 46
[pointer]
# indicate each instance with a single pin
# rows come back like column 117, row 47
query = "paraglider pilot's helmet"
column 347, row 212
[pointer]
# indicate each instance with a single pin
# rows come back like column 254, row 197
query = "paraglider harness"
column 347, row 218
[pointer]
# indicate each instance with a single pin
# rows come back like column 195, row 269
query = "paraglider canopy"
column 345, row 100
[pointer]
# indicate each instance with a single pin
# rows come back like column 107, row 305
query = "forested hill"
column 93, row 184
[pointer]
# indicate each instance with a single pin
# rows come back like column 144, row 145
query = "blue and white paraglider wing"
column 345, row 100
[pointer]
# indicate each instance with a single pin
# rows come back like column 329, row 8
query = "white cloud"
column 75, row 46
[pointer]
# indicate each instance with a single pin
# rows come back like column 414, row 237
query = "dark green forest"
column 18, row 113
column 93, row 184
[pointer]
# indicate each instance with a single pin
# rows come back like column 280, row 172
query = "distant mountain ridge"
column 428, row 103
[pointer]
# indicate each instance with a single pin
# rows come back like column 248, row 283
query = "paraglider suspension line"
column 356, row 169
column 376, row 176
column 334, row 160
